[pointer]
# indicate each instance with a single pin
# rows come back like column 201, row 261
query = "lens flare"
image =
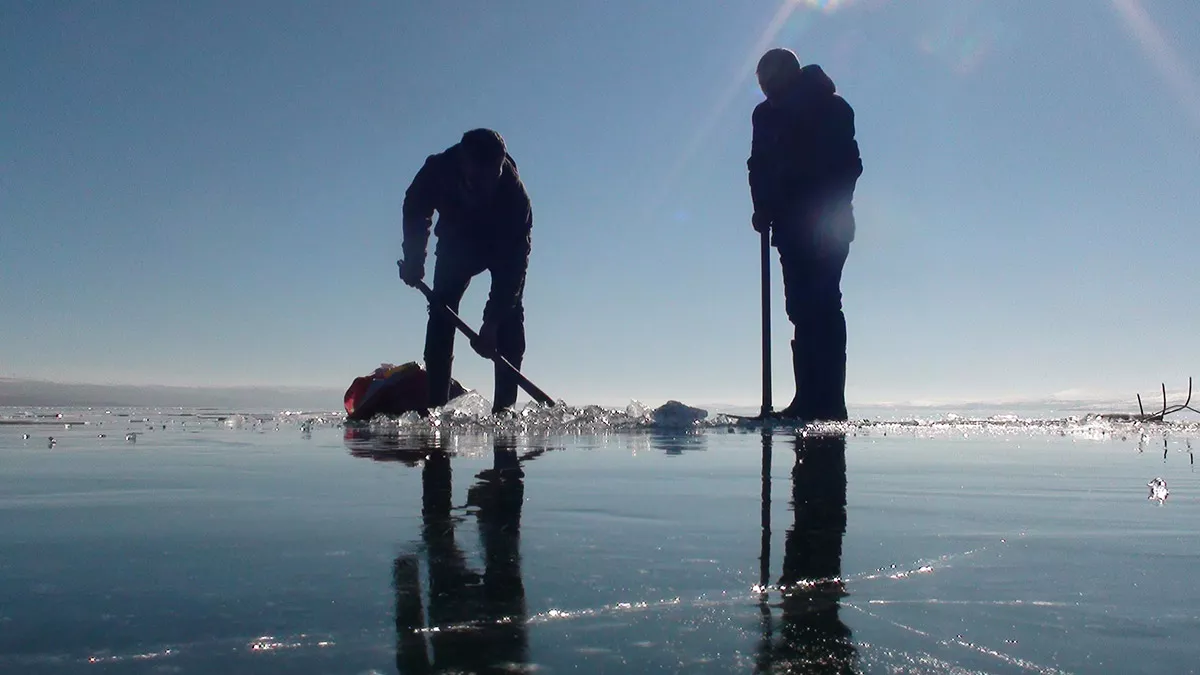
column 961, row 39
column 832, row 6
column 745, row 72
column 785, row 27
column 827, row 6
column 1162, row 54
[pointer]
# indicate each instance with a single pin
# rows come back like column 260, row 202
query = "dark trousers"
column 451, row 276
column 812, row 278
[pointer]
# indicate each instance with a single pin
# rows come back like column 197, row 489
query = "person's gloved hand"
column 411, row 272
column 485, row 344
column 760, row 222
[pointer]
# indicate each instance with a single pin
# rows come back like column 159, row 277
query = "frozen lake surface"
column 241, row 542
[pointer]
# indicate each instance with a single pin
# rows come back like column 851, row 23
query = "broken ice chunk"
column 676, row 414
column 469, row 406
column 1158, row 490
column 637, row 410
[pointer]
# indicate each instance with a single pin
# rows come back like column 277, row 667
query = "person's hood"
column 810, row 84
column 814, row 81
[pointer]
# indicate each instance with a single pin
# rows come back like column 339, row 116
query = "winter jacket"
column 494, row 234
column 804, row 157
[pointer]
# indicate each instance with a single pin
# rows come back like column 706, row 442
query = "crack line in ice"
column 832, row 587
column 999, row 603
column 920, row 567
column 1024, row 664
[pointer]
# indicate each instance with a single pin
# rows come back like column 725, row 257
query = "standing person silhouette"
column 803, row 168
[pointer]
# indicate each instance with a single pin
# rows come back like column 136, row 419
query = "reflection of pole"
column 764, row 559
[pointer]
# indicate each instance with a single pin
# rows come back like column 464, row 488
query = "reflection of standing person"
column 482, row 617
column 813, row 638
column 803, row 168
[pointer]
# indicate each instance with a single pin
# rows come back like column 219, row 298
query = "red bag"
column 391, row 390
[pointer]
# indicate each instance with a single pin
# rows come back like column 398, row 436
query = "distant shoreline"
column 20, row 392
column 42, row 393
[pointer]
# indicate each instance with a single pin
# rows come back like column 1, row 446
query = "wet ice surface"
column 592, row 540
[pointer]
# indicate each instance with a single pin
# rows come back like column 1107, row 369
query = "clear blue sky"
column 209, row 193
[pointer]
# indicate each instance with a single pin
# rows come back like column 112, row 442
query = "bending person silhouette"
column 481, row 618
column 485, row 223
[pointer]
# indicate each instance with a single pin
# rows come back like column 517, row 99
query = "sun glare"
column 1162, row 54
column 827, row 6
column 778, row 31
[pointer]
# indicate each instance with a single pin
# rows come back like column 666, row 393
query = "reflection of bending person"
column 492, row 604
column 813, row 638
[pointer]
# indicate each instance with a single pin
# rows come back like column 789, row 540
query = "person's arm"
column 763, row 174
column 420, row 201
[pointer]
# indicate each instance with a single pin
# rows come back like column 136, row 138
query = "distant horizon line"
column 1062, row 397
column 158, row 385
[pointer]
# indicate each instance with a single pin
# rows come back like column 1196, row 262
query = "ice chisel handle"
column 530, row 388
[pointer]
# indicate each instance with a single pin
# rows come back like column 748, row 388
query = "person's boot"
column 833, row 389
column 510, row 341
column 506, row 387
column 829, row 372
column 800, row 406
column 437, row 374
column 439, row 355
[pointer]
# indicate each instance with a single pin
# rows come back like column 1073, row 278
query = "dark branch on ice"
column 1143, row 416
